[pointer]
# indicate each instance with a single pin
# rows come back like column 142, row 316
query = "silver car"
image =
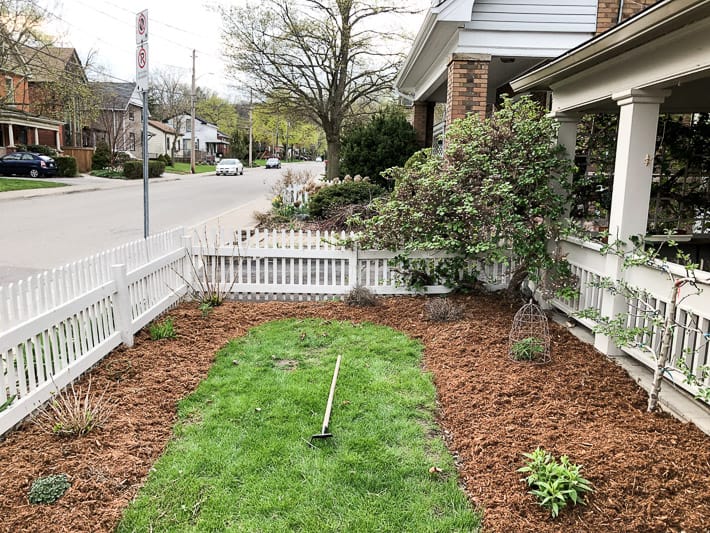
column 229, row 166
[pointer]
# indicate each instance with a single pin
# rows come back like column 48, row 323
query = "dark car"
column 273, row 162
column 27, row 164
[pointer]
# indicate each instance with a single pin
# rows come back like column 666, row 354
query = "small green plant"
column 205, row 308
column 554, row 483
column 74, row 412
column 163, row 330
column 48, row 489
column 527, row 349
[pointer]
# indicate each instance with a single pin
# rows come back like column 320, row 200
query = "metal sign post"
column 142, row 83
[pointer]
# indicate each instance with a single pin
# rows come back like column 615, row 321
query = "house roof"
column 115, row 95
column 166, row 128
column 655, row 21
column 46, row 64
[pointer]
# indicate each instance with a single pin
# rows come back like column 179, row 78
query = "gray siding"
column 534, row 15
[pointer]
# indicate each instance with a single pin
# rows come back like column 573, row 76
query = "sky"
column 107, row 28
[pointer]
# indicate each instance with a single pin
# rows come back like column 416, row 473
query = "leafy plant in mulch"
column 74, row 412
column 554, row 483
column 527, row 349
column 164, row 329
column 48, row 489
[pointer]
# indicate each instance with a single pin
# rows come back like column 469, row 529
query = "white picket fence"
column 295, row 194
column 305, row 265
column 55, row 326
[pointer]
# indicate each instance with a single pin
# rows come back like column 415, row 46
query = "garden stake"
column 326, row 419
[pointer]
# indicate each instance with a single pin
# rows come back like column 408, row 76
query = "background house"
column 119, row 121
column 20, row 123
column 467, row 51
column 163, row 139
column 209, row 141
column 59, row 89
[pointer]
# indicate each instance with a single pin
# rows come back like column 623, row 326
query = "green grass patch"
column 184, row 168
column 240, row 459
column 12, row 184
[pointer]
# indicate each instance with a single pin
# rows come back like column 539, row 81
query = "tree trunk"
column 516, row 280
column 333, row 159
column 665, row 348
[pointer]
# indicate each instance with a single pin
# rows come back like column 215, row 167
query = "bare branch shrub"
column 75, row 412
column 442, row 310
column 361, row 297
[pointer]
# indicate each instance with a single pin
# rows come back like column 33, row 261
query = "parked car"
column 27, row 164
column 229, row 166
column 319, row 159
column 273, row 162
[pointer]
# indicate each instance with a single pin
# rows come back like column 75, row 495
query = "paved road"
column 46, row 228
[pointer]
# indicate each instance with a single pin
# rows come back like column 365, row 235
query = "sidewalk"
column 87, row 183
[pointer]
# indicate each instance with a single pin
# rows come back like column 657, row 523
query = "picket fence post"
column 188, row 263
column 353, row 276
column 122, row 304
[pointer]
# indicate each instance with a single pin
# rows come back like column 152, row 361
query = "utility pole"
column 251, row 128
column 192, row 117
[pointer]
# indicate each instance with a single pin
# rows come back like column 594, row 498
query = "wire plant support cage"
column 529, row 339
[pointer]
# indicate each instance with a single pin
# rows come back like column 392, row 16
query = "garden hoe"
column 326, row 419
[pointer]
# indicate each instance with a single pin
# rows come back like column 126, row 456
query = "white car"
column 229, row 166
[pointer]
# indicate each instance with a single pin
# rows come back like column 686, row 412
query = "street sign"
column 142, row 26
column 142, row 66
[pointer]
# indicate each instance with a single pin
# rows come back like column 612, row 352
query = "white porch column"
column 10, row 135
column 633, row 170
column 58, row 140
column 567, row 131
column 36, row 130
column 567, row 137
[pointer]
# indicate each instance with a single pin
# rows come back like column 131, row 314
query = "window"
column 131, row 141
column 9, row 90
column 188, row 126
column 131, row 115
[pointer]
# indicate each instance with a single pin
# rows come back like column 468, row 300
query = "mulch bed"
column 650, row 472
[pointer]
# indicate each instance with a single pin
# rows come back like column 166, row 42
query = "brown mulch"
column 651, row 472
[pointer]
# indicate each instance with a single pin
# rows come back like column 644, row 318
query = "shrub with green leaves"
column 527, row 349
column 66, row 166
column 493, row 197
column 555, row 484
column 48, row 489
column 387, row 140
column 163, row 330
column 346, row 193
column 102, row 156
column 37, row 149
column 134, row 169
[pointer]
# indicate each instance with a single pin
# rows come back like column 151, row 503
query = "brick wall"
column 467, row 86
column 608, row 11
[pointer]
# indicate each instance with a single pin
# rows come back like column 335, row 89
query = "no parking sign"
column 142, row 50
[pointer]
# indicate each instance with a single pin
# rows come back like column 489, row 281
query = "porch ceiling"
column 664, row 48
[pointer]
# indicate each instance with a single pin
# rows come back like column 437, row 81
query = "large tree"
column 169, row 98
column 316, row 57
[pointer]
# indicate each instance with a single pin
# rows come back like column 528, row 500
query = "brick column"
column 467, row 86
column 423, row 123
